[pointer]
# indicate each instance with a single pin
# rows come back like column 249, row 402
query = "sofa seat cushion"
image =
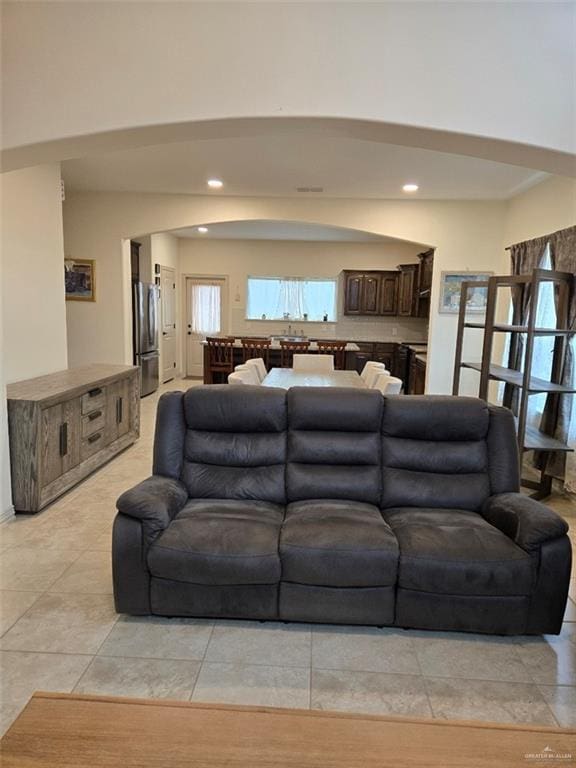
column 337, row 543
column 220, row 541
column 456, row 552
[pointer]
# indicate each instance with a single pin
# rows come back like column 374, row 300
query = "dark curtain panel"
column 525, row 258
column 556, row 417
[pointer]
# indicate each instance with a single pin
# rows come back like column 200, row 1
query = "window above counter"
column 291, row 298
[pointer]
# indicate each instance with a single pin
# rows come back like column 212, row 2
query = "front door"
column 205, row 313
column 168, row 321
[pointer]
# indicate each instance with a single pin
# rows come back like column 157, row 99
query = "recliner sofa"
column 339, row 506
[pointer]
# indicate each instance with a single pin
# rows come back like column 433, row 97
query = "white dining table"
column 285, row 378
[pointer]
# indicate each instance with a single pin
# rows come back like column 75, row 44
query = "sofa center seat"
column 220, row 541
column 457, row 552
column 337, row 543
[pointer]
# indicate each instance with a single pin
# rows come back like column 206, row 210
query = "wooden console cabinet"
column 65, row 425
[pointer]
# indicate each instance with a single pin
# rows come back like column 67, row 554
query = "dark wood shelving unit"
column 520, row 381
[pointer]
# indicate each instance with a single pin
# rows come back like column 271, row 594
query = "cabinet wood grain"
column 65, row 425
column 370, row 293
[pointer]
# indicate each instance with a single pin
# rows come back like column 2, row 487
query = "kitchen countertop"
column 350, row 347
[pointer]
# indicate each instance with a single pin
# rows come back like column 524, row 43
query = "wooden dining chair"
column 287, row 350
column 335, row 348
column 220, row 356
column 252, row 348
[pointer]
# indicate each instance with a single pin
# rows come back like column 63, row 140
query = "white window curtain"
column 291, row 300
column 274, row 298
column 205, row 309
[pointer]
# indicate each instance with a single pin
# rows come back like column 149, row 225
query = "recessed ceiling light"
column 215, row 183
column 202, row 230
column 410, row 188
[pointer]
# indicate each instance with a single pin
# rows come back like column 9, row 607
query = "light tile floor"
column 59, row 632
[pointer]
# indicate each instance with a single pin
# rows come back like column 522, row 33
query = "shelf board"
column 501, row 328
column 516, row 379
column 534, row 440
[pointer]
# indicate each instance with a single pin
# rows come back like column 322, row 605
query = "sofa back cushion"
column 435, row 452
column 235, row 443
column 334, row 446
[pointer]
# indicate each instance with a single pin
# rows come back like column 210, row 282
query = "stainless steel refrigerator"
column 145, row 335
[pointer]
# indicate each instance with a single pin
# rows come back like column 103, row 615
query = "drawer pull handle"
column 93, row 438
column 119, row 410
column 64, row 439
column 95, row 392
column 94, row 415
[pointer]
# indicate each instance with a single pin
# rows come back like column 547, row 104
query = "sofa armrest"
column 155, row 501
column 526, row 521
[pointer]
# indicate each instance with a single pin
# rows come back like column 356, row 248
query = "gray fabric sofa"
column 339, row 506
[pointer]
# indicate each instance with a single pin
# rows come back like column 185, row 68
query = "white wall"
column 237, row 259
column 541, row 210
column 488, row 70
column 465, row 234
column 32, row 306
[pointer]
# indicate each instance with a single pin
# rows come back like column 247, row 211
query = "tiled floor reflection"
column 59, row 632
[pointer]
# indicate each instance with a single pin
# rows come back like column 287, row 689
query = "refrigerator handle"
column 151, row 317
column 136, row 308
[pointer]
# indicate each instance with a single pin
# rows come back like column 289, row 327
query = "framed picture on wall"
column 451, row 287
column 79, row 278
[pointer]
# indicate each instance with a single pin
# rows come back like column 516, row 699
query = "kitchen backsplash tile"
column 347, row 327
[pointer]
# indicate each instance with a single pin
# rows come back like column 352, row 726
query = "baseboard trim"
column 7, row 514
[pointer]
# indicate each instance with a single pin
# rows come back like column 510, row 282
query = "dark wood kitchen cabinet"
column 408, row 290
column 370, row 293
column 378, row 352
column 425, row 282
column 417, row 380
column 389, row 293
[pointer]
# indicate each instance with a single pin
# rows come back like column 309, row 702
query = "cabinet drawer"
column 93, row 400
column 91, row 445
column 93, row 422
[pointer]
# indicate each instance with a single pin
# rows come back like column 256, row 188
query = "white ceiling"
column 281, row 230
column 274, row 165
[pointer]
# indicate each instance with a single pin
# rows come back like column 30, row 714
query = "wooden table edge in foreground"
column 71, row 730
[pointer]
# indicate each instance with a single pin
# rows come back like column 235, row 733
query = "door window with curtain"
column 206, row 305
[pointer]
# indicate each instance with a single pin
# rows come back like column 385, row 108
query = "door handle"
column 189, row 333
column 64, row 439
column 164, row 333
column 119, row 408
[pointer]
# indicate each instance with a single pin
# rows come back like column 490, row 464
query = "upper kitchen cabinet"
column 370, row 293
column 415, row 285
column 408, row 290
column 425, row 282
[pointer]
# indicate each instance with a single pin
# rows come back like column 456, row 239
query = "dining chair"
column 388, row 385
column 220, row 355
column 335, row 348
column 256, row 347
column 250, row 371
column 241, row 377
column 287, row 350
column 313, row 363
column 371, row 364
column 258, row 364
column 373, row 374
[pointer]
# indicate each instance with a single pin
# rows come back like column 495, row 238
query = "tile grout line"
column 311, row 668
column 414, row 647
column 203, row 659
column 41, row 595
